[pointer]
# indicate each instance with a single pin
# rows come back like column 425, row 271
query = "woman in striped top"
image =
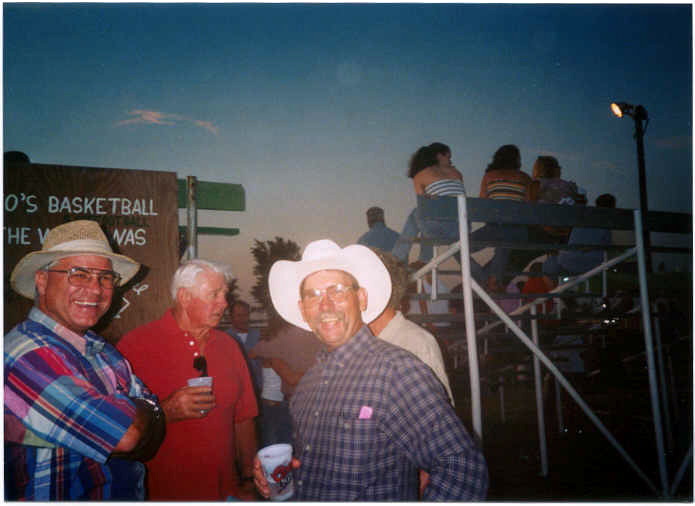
column 503, row 180
column 433, row 174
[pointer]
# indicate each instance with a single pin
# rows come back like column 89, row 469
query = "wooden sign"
column 137, row 210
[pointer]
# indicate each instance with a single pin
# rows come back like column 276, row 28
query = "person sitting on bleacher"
column 580, row 261
column 433, row 174
column 503, row 180
column 549, row 188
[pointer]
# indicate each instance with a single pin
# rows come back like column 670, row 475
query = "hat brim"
column 22, row 278
column 362, row 263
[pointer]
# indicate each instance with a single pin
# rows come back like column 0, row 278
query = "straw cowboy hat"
column 359, row 261
column 81, row 237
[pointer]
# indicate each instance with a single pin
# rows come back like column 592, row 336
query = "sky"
column 316, row 108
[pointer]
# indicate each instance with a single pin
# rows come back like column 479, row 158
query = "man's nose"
column 94, row 283
column 325, row 301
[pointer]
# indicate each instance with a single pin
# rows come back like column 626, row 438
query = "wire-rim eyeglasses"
column 81, row 277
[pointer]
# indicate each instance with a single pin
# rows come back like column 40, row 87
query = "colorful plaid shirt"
column 66, row 407
column 367, row 416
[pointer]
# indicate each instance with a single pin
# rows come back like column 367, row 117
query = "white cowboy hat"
column 359, row 261
column 80, row 237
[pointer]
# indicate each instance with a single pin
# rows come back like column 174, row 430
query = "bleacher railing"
column 466, row 211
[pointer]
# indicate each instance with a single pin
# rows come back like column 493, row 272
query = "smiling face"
column 334, row 321
column 77, row 308
column 205, row 302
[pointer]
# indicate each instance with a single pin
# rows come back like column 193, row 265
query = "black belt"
column 268, row 402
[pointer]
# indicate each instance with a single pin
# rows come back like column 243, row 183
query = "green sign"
column 214, row 196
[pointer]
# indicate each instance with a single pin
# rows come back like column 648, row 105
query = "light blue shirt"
column 379, row 236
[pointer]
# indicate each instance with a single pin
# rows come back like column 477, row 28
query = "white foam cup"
column 202, row 381
column 275, row 460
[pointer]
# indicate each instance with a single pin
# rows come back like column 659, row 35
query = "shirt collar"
column 392, row 326
column 171, row 326
column 88, row 344
column 349, row 350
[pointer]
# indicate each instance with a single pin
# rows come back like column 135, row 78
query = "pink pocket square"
column 365, row 413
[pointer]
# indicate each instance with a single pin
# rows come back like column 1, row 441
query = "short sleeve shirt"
column 197, row 459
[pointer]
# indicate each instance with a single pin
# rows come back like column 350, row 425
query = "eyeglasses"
column 336, row 293
column 201, row 365
column 82, row 277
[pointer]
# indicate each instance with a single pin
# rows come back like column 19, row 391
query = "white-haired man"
column 211, row 439
column 368, row 414
column 78, row 422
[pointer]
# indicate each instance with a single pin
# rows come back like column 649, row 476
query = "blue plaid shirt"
column 367, row 416
column 66, row 407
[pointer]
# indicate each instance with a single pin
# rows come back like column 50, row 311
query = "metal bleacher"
column 527, row 331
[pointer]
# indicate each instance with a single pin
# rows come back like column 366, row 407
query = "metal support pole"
column 649, row 350
column 538, row 383
column 565, row 286
column 604, row 277
column 473, row 369
column 639, row 116
column 681, row 471
column 506, row 320
column 434, row 286
column 192, row 217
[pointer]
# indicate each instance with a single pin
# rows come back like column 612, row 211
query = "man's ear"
column 182, row 297
column 362, row 298
column 41, row 281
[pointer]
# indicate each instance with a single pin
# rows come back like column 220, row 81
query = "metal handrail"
column 469, row 286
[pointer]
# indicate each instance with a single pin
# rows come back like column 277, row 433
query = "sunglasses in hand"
column 201, row 365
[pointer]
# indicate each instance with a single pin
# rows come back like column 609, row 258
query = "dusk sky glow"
column 316, row 108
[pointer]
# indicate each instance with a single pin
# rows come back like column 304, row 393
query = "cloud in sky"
column 162, row 118
column 207, row 125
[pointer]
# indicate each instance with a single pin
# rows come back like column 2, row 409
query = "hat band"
column 83, row 245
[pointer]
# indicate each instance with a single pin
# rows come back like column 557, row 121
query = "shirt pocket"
column 359, row 434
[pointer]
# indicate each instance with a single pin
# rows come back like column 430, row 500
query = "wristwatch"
column 155, row 408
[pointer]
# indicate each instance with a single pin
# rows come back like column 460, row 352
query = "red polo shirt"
column 196, row 462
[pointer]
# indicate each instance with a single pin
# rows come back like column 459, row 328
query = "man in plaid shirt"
column 368, row 415
column 76, row 419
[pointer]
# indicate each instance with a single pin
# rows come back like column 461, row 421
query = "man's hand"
column 259, row 478
column 424, row 481
column 188, row 402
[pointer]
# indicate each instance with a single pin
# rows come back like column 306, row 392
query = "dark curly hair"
column 426, row 156
column 507, row 157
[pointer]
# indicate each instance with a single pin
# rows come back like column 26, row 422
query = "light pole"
column 639, row 114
